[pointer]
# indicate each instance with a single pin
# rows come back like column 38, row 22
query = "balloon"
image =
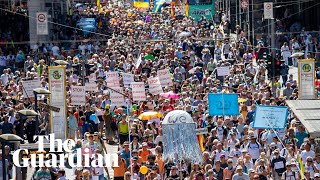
column 143, row 169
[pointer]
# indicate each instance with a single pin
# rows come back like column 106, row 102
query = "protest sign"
column 92, row 77
column 91, row 86
column 116, row 98
column 128, row 78
column 78, row 95
column 112, row 79
column 223, row 104
column 270, row 117
column 223, row 71
column 154, row 86
column 138, row 91
column 29, row 86
column 165, row 78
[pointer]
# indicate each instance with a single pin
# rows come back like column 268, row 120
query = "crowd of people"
column 191, row 50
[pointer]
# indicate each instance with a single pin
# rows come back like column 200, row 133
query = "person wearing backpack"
column 289, row 174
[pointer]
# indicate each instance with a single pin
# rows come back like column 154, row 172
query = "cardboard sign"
column 78, row 95
column 165, row 78
column 91, row 87
column 112, row 79
column 117, row 99
column 128, row 78
column 223, row 71
column 154, row 86
column 29, row 86
column 138, row 91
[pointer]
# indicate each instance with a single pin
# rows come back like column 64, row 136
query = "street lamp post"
column 37, row 91
column 3, row 139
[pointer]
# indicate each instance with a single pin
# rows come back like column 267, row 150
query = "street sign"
column 244, row 4
column 51, row 108
column 42, row 23
column 268, row 10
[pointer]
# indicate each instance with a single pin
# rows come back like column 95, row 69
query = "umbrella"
column 146, row 116
column 61, row 62
column 170, row 95
column 184, row 34
column 296, row 55
column 28, row 112
column 241, row 100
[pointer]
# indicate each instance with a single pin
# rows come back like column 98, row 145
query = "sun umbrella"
column 146, row 116
column 184, row 34
column 61, row 62
column 28, row 112
column 296, row 55
column 170, row 95
column 241, row 100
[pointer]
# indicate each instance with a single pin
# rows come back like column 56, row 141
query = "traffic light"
column 76, row 68
column 277, row 67
column 273, row 66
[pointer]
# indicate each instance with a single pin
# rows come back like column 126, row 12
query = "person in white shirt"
column 307, row 152
column 216, row 154
column 309, row 166
column 55, row 50
column 285, row 52
column 254, row 148
column 82, row 47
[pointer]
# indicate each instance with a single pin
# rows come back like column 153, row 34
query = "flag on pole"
column 158, row 5
column 200, row 141
column 172, row 9
column 99, row 6
column 141, row 3
column 187, row 9
column 301, row 167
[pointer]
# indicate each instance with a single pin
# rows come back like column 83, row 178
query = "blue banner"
column 223, row 104
column 270, row 117
column 157, row 6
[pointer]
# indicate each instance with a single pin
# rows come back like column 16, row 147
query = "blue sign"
column 270, row 117
column 223, row 104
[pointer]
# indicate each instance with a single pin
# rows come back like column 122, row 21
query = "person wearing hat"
column 289, row 174
column 240, row 174
column 278, row 164
column 119, row 171
column 254, row 148
column 144, row 152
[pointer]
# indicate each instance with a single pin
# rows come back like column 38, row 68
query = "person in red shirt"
column 167, row 106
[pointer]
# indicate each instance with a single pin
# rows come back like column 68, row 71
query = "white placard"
column 57, row 87
column 139, row 60
column 92, row 77
column 223, row 71
column 268, row 10
column 28, row 87
column 91, row 87
column 78, row 95
column 154, row 86
column 138, row 91
column 42, row 23
column 112, row 79
column 306, row 79
column 165, row 78
column 200, row 131
column 128, row 78
column 116, row 98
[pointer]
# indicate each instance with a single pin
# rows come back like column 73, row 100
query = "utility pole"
column 273, row 55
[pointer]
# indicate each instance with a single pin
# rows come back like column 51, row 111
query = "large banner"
column 112, row 79
column 306, row 74
column 270, row 117
column 138, row 91
column 197, row 11
column 223, row 104
column 28, row 87
column 165, row 78
column 141, row 3
column 57, row 87
column 117, row 99
column 78, row 95
column 154, row 86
